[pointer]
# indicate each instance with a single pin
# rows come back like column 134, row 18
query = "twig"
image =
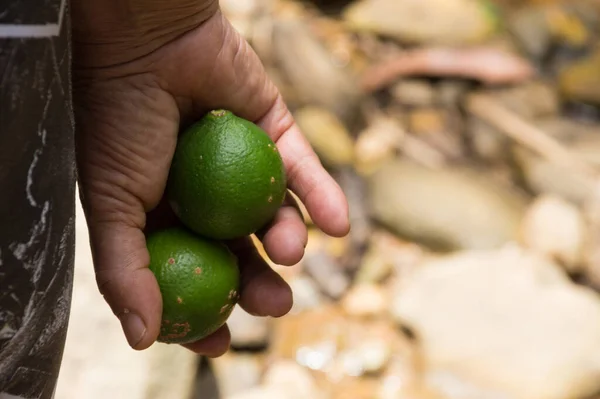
column 491, row 111
column 390, row 132
column 489, row 65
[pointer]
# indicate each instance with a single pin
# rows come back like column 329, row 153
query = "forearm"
column 111, row 32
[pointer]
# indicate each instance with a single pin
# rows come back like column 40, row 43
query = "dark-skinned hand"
column 142, row 71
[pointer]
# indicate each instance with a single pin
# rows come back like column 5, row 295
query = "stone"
column 451, row 92
column 237, row 372
column 388, row 255
column 354, row 187
column 532, row 99
column 356, row 388
column 289, row 374
column 414, row 92
column 334, row 346
column 374, row 355
column 530, row 27
column 327, row 273
column 544, row 176
column 267, row 392
column 447, row 208
column 489, row 144
column 426, row 121
column 321, row 263
column 432, row 126
column 240, row 14
column 248, row 331
column 311, row 70
column 306, row 294
column 438, row 22
column 365, row 300
column 503, row 324
column 374, row 267
column 283, row 379
column 327, row 135
column 555, row 228
column 377, row 143
column 580, row 81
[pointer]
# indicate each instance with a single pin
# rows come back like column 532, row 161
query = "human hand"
column 141, row 70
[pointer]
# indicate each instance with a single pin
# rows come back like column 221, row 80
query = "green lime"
column 227, row 178
column 199, row 283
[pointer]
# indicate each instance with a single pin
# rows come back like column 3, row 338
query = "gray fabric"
column 37, row 197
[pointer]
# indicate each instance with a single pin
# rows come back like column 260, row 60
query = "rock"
column 240, row 14
column 327, row 273
column 318, row 241
column 170, row 371
column 414, row 92
column 385, row 255
column 310, row 69
column 533, row 99
column 237, row 372
column 591, row 271
column 529, row 26
column 402, row 378
column 322, row 262
column 486, row 141
column 555, row 228
column 580, row 81
column 354, row 187
column 327, row 135
column 567, row 130
column 356, row 388
column 290, row 375
column 374, row 355
column 365, row 300
column 446, row 209
column 423, row 121
column 377, row 143
column 273, row 392
column 375, row 267
column 284, row 379
column 447, row 22
column 336, row 347
column 503, row 324
column 450, row 92
column 569, row 23
column 306, row 294
column 264, row 392
column 546, row 177
column 247, row 331
column 587, row 146
column 432, row 125
column 543, row 176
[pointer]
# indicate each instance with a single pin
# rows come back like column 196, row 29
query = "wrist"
column 113, row 32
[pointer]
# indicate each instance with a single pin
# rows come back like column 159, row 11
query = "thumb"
column 128, row 286
column 126, row 137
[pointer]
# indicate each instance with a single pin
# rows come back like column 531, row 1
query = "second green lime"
column 227, row 178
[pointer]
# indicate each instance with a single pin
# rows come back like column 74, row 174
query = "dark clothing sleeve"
column 37, row 180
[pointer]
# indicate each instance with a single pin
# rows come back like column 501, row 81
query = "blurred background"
column 466, row 136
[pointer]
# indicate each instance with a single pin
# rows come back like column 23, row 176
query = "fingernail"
column 134, row 328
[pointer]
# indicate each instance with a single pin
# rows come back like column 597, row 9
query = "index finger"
column 320, row 193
